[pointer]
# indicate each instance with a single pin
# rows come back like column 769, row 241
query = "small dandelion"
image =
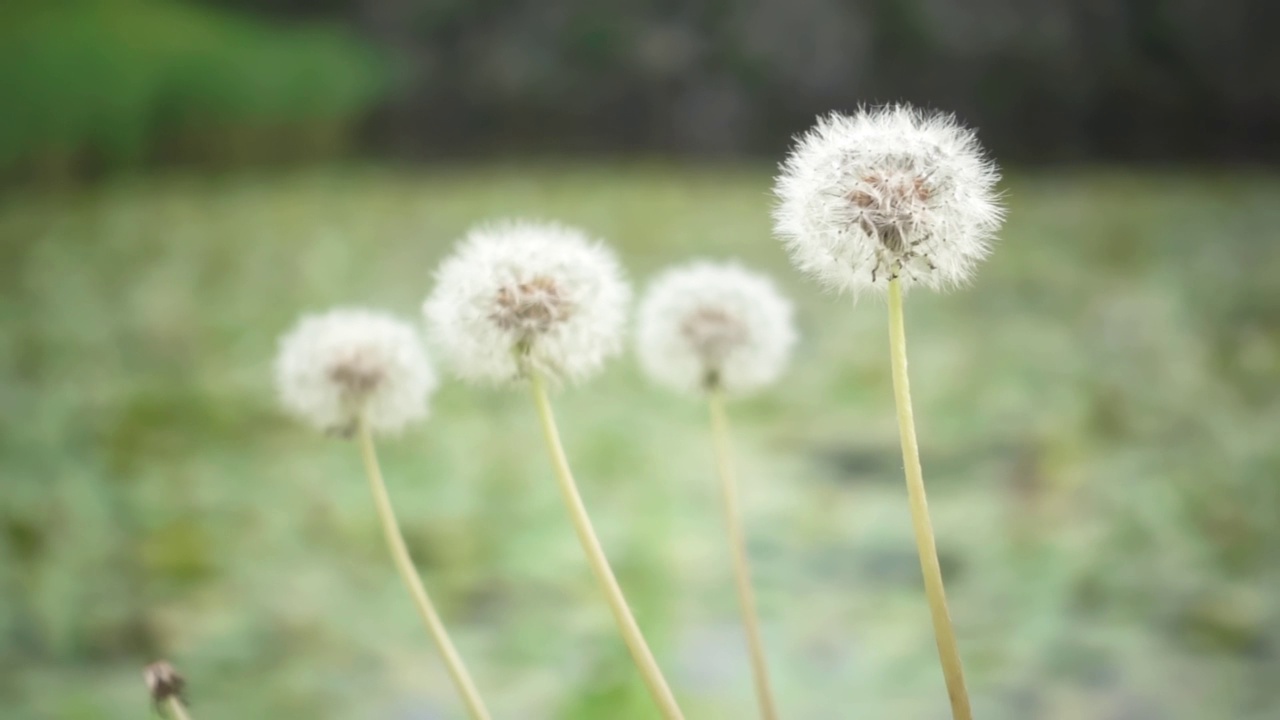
column 529, row 302
column 714, row 326
column 357, row 372
column 339, row 365
column 888, row 193
column 717, row 328
column 167, row 689
column 518, row 297
column 886, row 199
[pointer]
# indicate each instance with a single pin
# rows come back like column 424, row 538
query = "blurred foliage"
column 1098, row 416
column 99, row 85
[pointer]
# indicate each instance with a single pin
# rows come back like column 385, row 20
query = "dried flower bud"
column 889, row 192
column 516, row 296
column 714, row 326
column 334, row 366
column 163, row 682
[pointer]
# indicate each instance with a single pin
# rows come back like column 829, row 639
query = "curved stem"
column 177, row 709
column 738, row 547
column 400, row 553
column 627, row 626
column 948, row 652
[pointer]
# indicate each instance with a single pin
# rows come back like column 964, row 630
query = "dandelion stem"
column 738, row 548
column 400, row 553
column 177, row 709
column 627, row 626
column 948, row 653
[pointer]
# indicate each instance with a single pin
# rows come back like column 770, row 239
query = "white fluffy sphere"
column 889, row 192
column 333, row 366
column 521, row 295
column 714, row 325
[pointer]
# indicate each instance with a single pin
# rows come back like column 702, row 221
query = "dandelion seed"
column 334, row 366
column 523, row 302
column 883, row 200
column 521, row 296
column 717, row 329
column 889, row 193
column 355, row 372
column 714, row 326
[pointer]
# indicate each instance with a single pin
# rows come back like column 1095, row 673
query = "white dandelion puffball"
column 707, row 326
column 334, row 366
column 889, row 192
column 521, row 296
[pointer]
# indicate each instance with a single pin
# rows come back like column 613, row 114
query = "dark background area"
column 1046, row 80
column 96, row 86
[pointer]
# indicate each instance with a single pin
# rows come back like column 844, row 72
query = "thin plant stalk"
column 177, row 709
column 400, row 554
column 627, row 626
column 948, row 652
column 738, row 548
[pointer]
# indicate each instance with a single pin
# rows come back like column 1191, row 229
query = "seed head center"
column 713, row 333
column 357, row 374
column 886, row 203
column 532, row 307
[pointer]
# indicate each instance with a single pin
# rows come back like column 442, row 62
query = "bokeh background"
column 1099, row 415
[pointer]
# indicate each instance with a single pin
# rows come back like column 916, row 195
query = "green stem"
column 738, row 548
column 627, row 626
column 400, row 554
column 948, row 652
column 177, row 709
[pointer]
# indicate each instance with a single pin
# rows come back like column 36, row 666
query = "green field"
column 1098, row 414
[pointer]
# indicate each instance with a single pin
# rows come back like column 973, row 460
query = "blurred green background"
column 1098, row 411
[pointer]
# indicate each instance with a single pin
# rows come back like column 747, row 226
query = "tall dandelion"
column 713, row 330
column 358, row 372
column 528, row 303
column 886, row 199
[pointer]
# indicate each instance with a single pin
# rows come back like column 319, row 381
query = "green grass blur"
column 1098, row 414
column 94, row 87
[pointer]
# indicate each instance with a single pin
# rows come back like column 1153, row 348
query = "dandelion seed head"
column 519, row 296
column 333, row 366
column 887, row 192
column 710, row 325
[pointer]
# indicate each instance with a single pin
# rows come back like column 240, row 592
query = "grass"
column 1098, row 416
